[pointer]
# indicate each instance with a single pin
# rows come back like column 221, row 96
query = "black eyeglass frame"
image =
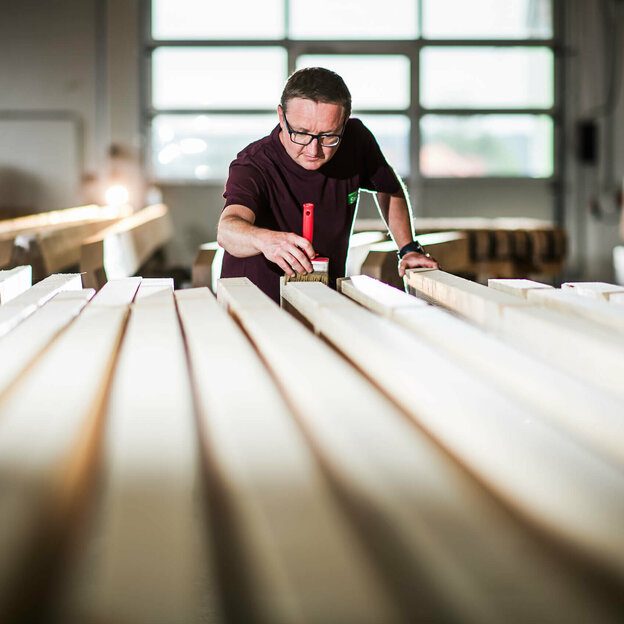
column 314, row 136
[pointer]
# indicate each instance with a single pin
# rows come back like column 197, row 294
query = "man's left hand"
column 414, row 260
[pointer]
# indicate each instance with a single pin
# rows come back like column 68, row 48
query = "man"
column 318, row 155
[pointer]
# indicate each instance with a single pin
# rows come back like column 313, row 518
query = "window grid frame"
column 410, row 48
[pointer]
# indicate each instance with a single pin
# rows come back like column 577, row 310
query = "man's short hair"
column 319, row 85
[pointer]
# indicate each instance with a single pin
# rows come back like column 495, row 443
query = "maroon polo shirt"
column 265, row 179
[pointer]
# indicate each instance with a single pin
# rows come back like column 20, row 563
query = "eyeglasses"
column 305, row 138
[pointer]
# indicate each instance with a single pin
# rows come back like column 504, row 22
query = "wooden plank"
column 569, row 403
column 155, row 290
column 22, row 239
column 594, row 290
column 117, row 292
column 377, row 296
column 383, row 465
column 450, row 249
column 119, row 251
column 206, row 268
column 382, row 263
column 49, row 435
column 61, row 218
column 285, row 534
column 60, row 248
column 20, row 348
column 582, row 348
column 149, row 547
column 596, row 310
column 476, row 302
column 359, row 246
column 517, row 287
column 14, row 282
column 237, row 289
column 544, row 476
column 16, row 310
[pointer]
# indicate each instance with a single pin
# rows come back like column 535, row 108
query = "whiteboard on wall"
column 40, row 164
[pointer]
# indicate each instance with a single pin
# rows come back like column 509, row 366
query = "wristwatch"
column 413, row 246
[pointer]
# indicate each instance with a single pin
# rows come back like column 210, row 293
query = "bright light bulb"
column 117, row 195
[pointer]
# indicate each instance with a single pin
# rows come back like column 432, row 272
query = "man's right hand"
column 291, row 252
column 238, row 235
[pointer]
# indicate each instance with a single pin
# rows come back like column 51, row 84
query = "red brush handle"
column 308, row 221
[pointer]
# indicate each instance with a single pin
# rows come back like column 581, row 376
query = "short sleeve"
column 377, row 174
column 245, row 186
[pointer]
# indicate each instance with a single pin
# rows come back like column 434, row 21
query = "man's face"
column 313, row 118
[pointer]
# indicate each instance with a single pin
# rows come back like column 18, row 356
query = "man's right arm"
column 238, row 235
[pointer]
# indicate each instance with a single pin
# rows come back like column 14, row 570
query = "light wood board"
column 292, row 541
column 582, row 348
column 594, row 290
column 20, row 308
column 517, row 287
column 547, row 478
column 14, row 282
column 117, row 292
column 20, row 348
column 596, row 310
column 476, row 302
column 49, row 434
column 581, row 409
column 151, row 560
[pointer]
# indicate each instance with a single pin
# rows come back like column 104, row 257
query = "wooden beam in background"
column 119, row 251
column 207, row 266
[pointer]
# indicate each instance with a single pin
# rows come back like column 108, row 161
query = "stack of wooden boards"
column 105, row 241
column 502, row 247
column 164, row 458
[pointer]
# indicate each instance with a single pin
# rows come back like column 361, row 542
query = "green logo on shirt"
column 352, row 198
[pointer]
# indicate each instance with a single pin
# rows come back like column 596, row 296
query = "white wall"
column 46, row 67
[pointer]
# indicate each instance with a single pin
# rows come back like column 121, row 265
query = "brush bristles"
column 315, row 276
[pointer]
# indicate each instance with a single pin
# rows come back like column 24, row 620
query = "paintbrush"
column 320, row 266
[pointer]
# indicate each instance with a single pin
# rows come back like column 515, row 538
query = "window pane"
column 487, row 19
column 234, row 19
column 218, row 77
column 375, row 82
column 490, row 77
column 353, row 19
column 487, row 145
column 201, row 147
column 392, row 133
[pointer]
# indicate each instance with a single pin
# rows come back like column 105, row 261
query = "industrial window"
column 450, row 88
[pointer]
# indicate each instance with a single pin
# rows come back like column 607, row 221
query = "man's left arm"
column 396, row 213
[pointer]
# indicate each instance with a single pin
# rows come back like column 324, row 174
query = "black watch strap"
column 413, row 246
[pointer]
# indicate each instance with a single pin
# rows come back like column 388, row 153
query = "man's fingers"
column 298, row 265
column 413, row 261
column 285, row 267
